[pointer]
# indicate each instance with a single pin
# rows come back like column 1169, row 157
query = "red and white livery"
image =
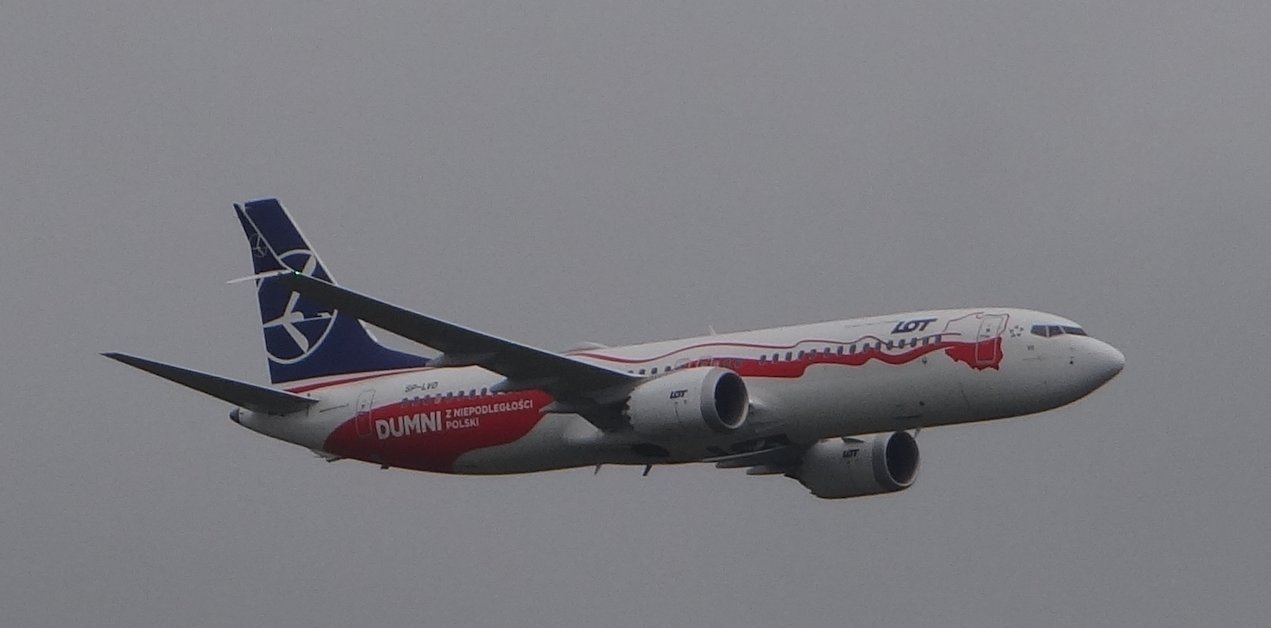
column 833, row 405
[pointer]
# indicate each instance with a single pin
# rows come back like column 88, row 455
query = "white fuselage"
column 806, row 383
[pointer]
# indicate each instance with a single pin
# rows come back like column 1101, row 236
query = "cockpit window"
column 1050, row 331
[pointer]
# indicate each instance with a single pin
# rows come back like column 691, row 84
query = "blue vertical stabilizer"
column 305, row 339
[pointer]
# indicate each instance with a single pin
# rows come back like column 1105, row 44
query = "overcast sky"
column 618, row 172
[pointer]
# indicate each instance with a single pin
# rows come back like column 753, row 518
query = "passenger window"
column 642, row 371
column 840, row 350
column 789, row 356
column 655, row 371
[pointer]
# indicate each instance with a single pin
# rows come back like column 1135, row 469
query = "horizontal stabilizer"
column 244, row 395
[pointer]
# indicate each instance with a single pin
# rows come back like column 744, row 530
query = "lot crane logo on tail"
column 294, row 327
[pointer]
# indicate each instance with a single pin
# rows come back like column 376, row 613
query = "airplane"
column 835, row 405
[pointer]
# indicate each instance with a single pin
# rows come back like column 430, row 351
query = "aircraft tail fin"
column 305, row 339
column 244, row 395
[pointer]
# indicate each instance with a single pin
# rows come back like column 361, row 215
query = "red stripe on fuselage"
column 349, row 380
column 978, row 355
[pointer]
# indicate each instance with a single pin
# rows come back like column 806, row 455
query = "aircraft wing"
column 577, row 386
column 242, row 394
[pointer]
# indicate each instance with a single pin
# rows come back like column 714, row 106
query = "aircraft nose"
column 1107, row 360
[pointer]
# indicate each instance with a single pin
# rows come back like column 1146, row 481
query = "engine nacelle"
column 696, row 401
column 866, row 465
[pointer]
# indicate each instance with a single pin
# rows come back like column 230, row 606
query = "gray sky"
column 619, row 172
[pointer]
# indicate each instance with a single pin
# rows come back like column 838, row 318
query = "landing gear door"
column 365, row 402
column 991, row 326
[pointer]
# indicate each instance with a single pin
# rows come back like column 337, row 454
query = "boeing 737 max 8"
column 830, row 404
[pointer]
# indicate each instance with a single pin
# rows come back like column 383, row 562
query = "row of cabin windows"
column 763, row 359
column 652, row 371
column 791, row 356
column 438, row 398
column 852, row 349
column 724, row 362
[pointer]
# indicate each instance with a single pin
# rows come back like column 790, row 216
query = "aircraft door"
column 365, row 403
column 991, row 327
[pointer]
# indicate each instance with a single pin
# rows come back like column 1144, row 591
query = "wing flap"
column 242, row 394
column 778, row 459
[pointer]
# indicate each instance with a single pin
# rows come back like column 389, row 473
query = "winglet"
column 249, row 396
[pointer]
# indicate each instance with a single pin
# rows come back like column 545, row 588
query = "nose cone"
column 1106, row 361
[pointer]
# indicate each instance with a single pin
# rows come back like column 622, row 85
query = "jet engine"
column 696, row 401
column 865, row 465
